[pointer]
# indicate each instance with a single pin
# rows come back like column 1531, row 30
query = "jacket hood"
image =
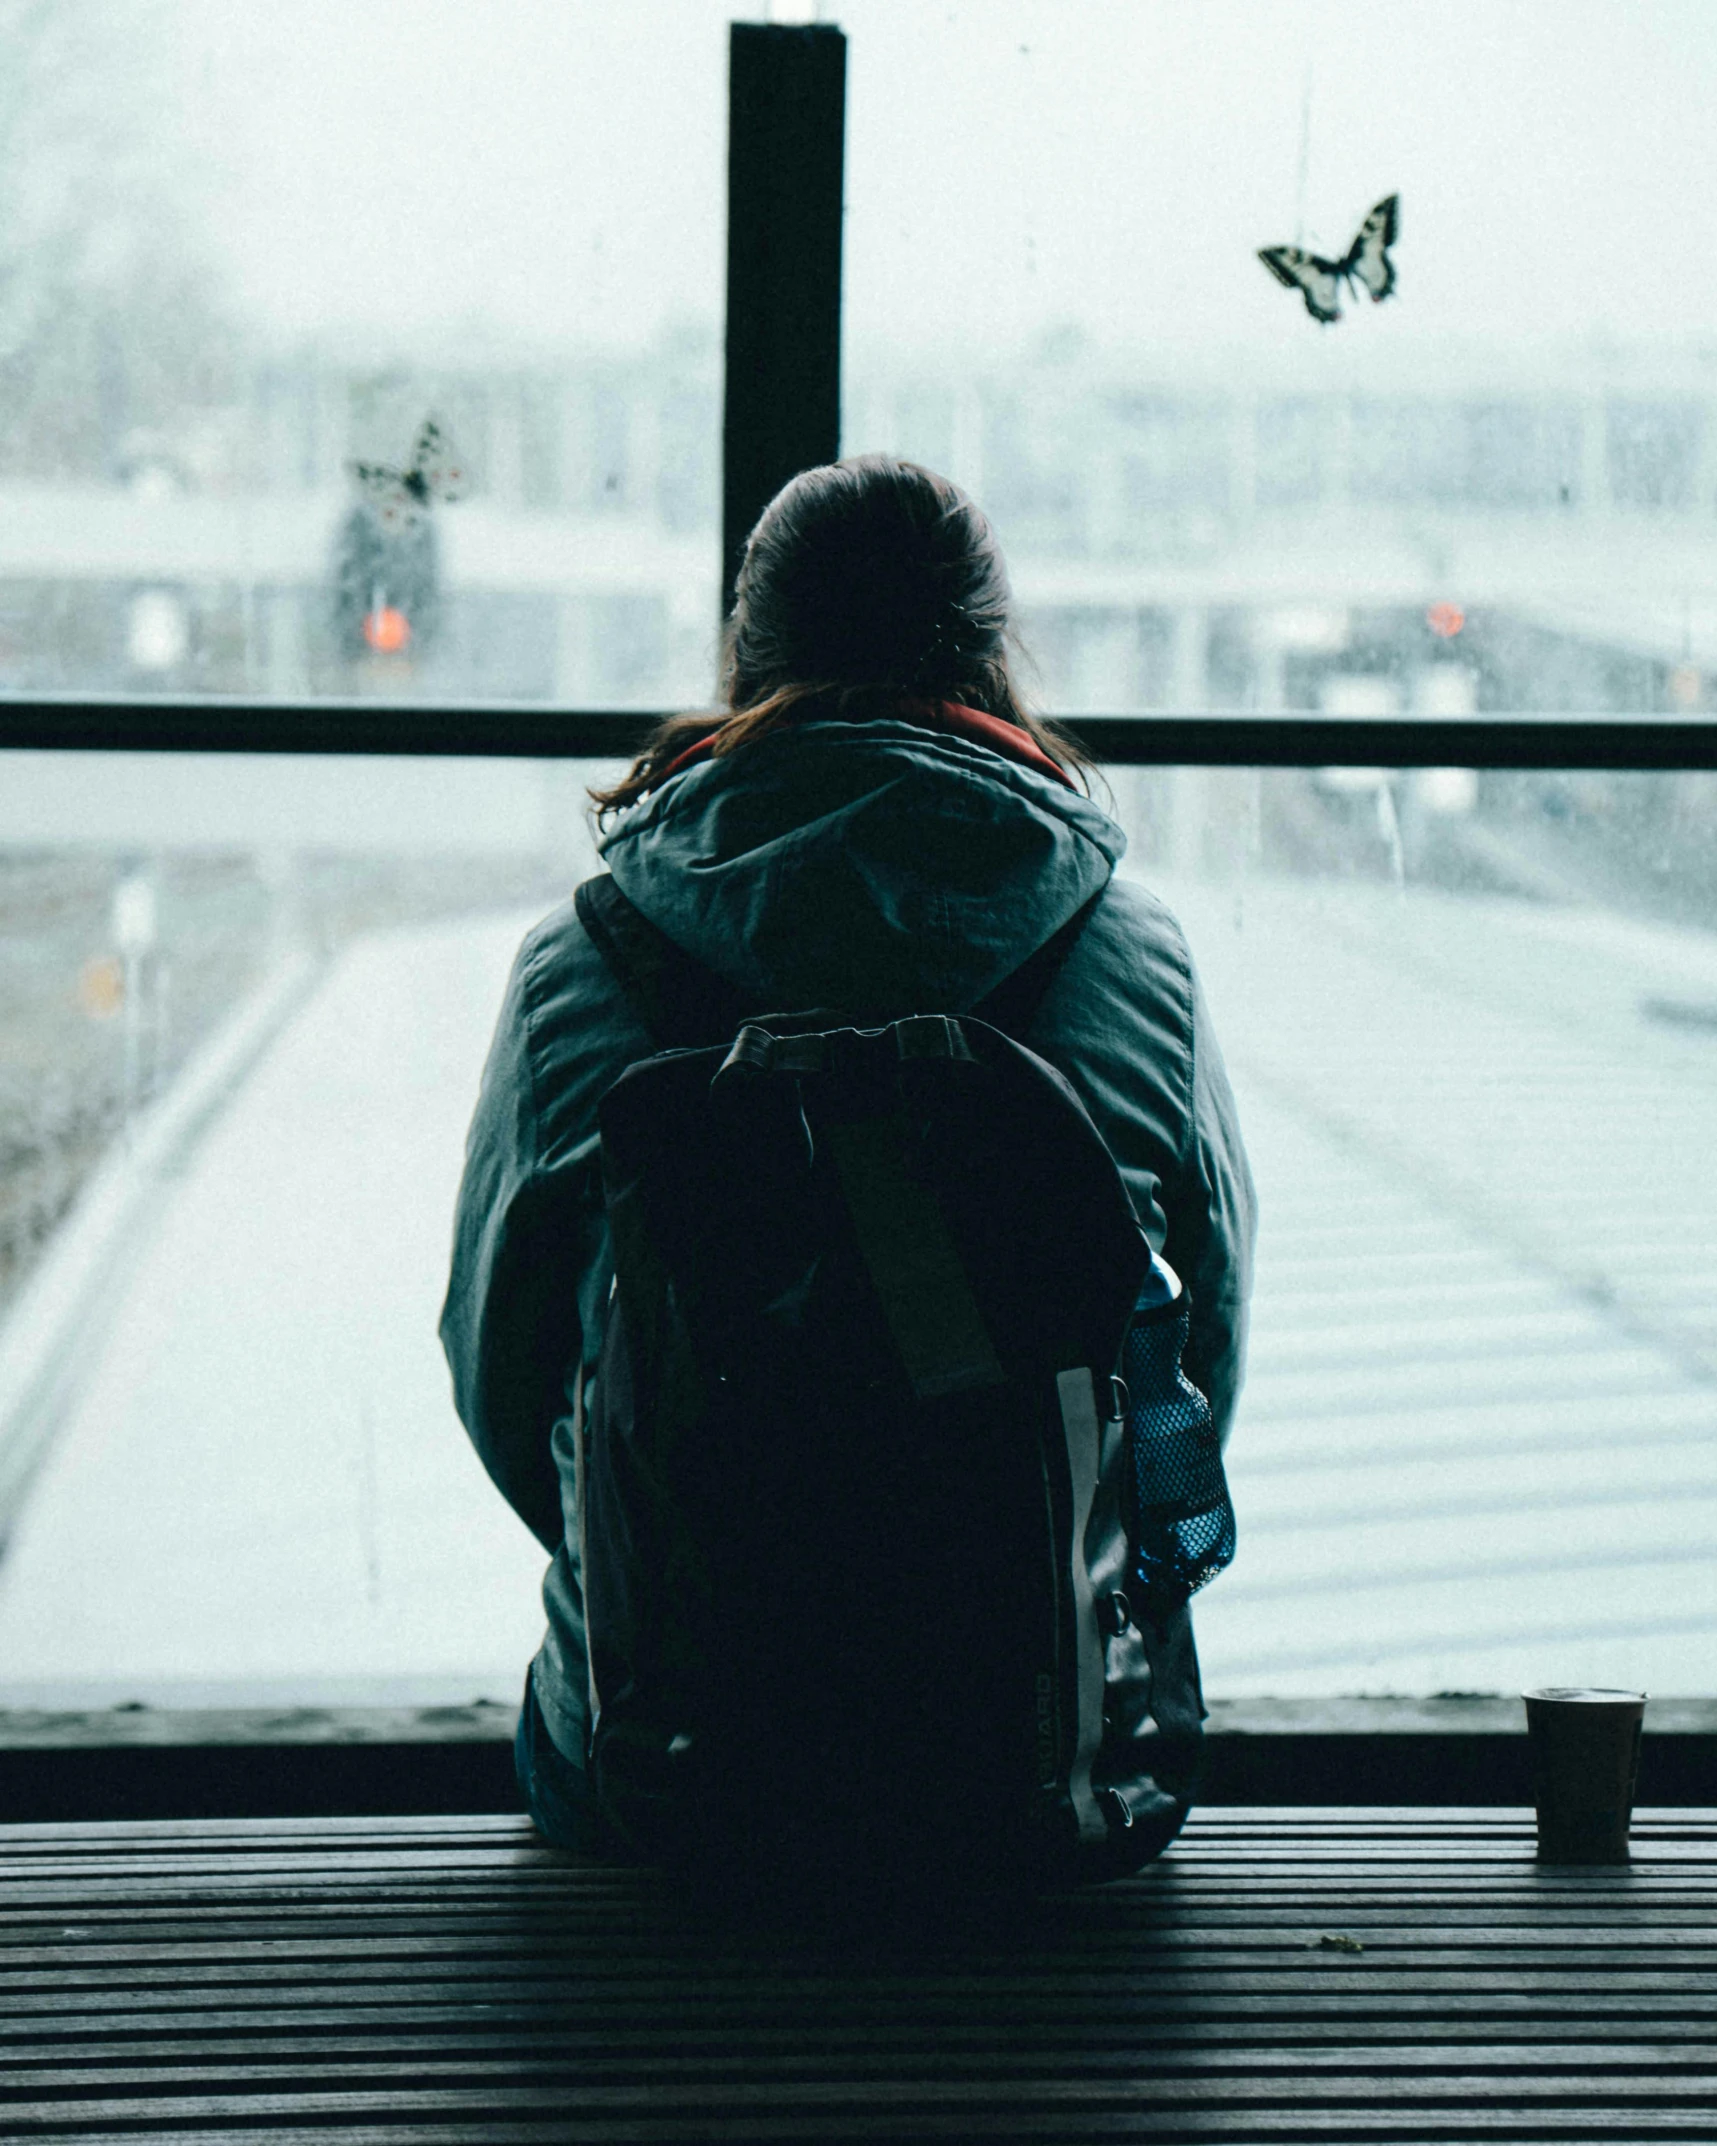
column 870, row 865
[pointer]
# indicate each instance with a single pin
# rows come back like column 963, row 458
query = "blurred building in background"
column 1486, row 540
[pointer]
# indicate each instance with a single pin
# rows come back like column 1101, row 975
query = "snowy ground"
column 1478, row 1448
column 264, row 1487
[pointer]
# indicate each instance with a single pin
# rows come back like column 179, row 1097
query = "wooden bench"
column 1307, row 1974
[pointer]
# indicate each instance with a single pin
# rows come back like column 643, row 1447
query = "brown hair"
column 865, row 583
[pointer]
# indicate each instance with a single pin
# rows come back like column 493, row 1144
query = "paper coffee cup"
column 1585, row 1763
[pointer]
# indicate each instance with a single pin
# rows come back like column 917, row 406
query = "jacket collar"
column 993, row 731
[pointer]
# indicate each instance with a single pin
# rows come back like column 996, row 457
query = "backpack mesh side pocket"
column 1183, row 1519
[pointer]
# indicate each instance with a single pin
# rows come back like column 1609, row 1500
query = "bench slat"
column 447, row 1980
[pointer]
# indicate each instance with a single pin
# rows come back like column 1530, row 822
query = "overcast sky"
column 552, row 169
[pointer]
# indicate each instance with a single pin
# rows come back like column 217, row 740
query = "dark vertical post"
column 786, row 118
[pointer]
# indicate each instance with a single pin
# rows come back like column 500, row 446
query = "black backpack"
column 858, row 1507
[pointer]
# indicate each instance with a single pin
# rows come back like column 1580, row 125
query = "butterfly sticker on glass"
column 400, row 498
column 1366, row 264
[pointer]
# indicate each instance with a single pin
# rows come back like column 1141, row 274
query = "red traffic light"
column 386, row 630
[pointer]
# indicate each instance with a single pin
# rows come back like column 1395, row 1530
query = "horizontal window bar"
column 530, row 731
column 1297, row 739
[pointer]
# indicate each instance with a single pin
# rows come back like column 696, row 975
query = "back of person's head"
column 867, row 585
column 872, row 573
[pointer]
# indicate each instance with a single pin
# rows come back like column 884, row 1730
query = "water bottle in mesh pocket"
column 1183, row 1521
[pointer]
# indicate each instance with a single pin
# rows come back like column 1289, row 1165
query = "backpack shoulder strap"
column 683, row 1003
column 1015, row 1000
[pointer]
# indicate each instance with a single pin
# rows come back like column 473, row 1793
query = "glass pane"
column 1492, row 489
column 1471, row 1022
column 244, row 1007
column 248, row 254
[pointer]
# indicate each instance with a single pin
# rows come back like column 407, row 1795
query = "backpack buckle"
column 931, row 1035
column 756, row 1050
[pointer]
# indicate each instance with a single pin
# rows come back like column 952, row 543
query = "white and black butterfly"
column 1365, row 262
column 400, row 498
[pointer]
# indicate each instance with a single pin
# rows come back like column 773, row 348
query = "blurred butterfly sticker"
column 400, row 498
column 1366, row 264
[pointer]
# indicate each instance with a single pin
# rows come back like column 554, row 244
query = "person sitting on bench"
column 873, row 825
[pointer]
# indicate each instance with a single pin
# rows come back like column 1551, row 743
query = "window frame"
column 781, row 388
column 1571, row 742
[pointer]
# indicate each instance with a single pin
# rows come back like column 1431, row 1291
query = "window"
column 1056, row 295
column 246, row 253
column 1470, row 1010
column 1471, row 1020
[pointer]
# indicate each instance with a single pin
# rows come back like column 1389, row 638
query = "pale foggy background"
column 554, row 171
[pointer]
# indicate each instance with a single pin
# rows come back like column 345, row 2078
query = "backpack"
column 859, row 1506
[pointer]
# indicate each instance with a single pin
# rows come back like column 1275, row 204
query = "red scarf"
column 993, row 731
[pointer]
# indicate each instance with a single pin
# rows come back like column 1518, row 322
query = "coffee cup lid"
column 1586, row 1695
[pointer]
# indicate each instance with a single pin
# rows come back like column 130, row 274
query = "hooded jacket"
column 881, row 867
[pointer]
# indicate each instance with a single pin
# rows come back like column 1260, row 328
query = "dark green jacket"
column 875, row 865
